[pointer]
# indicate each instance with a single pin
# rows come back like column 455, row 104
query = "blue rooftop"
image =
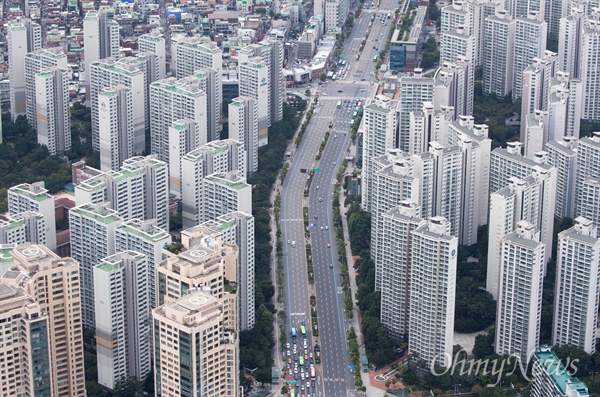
column 559, row 375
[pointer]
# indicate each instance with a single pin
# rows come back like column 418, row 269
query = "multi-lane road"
column 333, row 376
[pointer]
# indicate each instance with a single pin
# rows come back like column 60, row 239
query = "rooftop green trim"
column 107, row 267
column 153, row 235
column 559, row 375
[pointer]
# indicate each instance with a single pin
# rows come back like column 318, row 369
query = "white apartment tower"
column 131, row 73
column 524, row 8
column 272, row 52
column 52, row 287
column 35, row 62
column 189, row 54
column 537, row 79
column 563, row 156
column 587, row 178
column 432, row 292
column 23, row 36
column 238, row 228
column 243, row 127
column 392, row 183
column 115, row 126
column 530, row 42
column 184, row 136
column 379, row 129
column 569, row 43
column 454, row 88
column 414, row 90
column 458, row 47
column 535, row 133
column 498, row 54
column 140, row 190
column 52, row 110
column 154, row 43
column 101, row 40
column 429, row 124
column 336, row 13
column 147, row 239
column 123, row 329
column 12, row 231
column 565, row 105
column 214, row 157
column 92, row 228
column 187, row 321
column 171, row 100
column 397, row 227
column 590, row 63
column 520, row 292
column 577, row 287
column 520, row 200
column 225, row 192
column 255, row 82
column 35, row 198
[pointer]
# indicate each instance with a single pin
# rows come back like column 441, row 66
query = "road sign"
column 316, row 169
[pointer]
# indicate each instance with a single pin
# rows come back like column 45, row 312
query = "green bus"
column 292, row 392
column 354, row 114
column 303, row 330
column 301, row 360
column 339, row 105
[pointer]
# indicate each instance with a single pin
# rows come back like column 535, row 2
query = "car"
column 321, row 227
column 296, row 370
column 318, row 187
column 287, row 345
column 302, row 378
column 316, row 216
column 320, row 200
column 335, row 136
column 296, row 376
column 290, row 372
column 328, row 245
column 335, row 162
column 289, row 360
column 305, row 343
column 312, row 360
column 306, row 358
column 293, row 244
column 331, row 265
column 288, row 353
column 310, row 355
column 363, row 79
column 326, row 227
column 340, row 91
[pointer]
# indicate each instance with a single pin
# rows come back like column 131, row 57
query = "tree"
column 323, row 77
column 130, row 387
column 483, row 346
column 284, row 390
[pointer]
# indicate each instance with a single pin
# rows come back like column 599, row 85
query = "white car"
column 288, row 353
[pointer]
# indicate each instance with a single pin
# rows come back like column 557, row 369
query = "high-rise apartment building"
column 498, row 54
column 524, row 8
column 537, row 78
column 214, row 157
column 189, row 54
column 397, row 226
column 379, row 129
column 565, row 105
column 52, row 319
column 577, row 287
column 122, row 307
column 563, row 156
column 454, row 88
column 102, row 40
column 587, row 178
column 429, row 124
column 131, row 73
column 255, row 82
column 52, row 110
column 392, row 183
column 147, row 239
column 171, row 100
column 184, row 137
column 225, row 192
column 154, row 43
column 194, row 353
column 140, row 190
column 23, row 36
column 590, row 63
column 12, row 231
column 336, row 13
column 432, row 292
column 92, row 229
column 569, row 43
column 535, row 132
column 520, row 292
column 34, row 197
column 530, row 42
column 272, row 52
column 551, row 378
column 458, row 47
column 414, row 90
column 243, row 127
column 115, row 126
column 238, row 228
column 35, row 62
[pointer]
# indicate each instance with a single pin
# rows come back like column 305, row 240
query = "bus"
column 293, row 332
column 292, row 392
column 339, row 105
column 313, row 374
column 303, row 330
column 351, row 123
column 354, row 114
column 301, row 360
